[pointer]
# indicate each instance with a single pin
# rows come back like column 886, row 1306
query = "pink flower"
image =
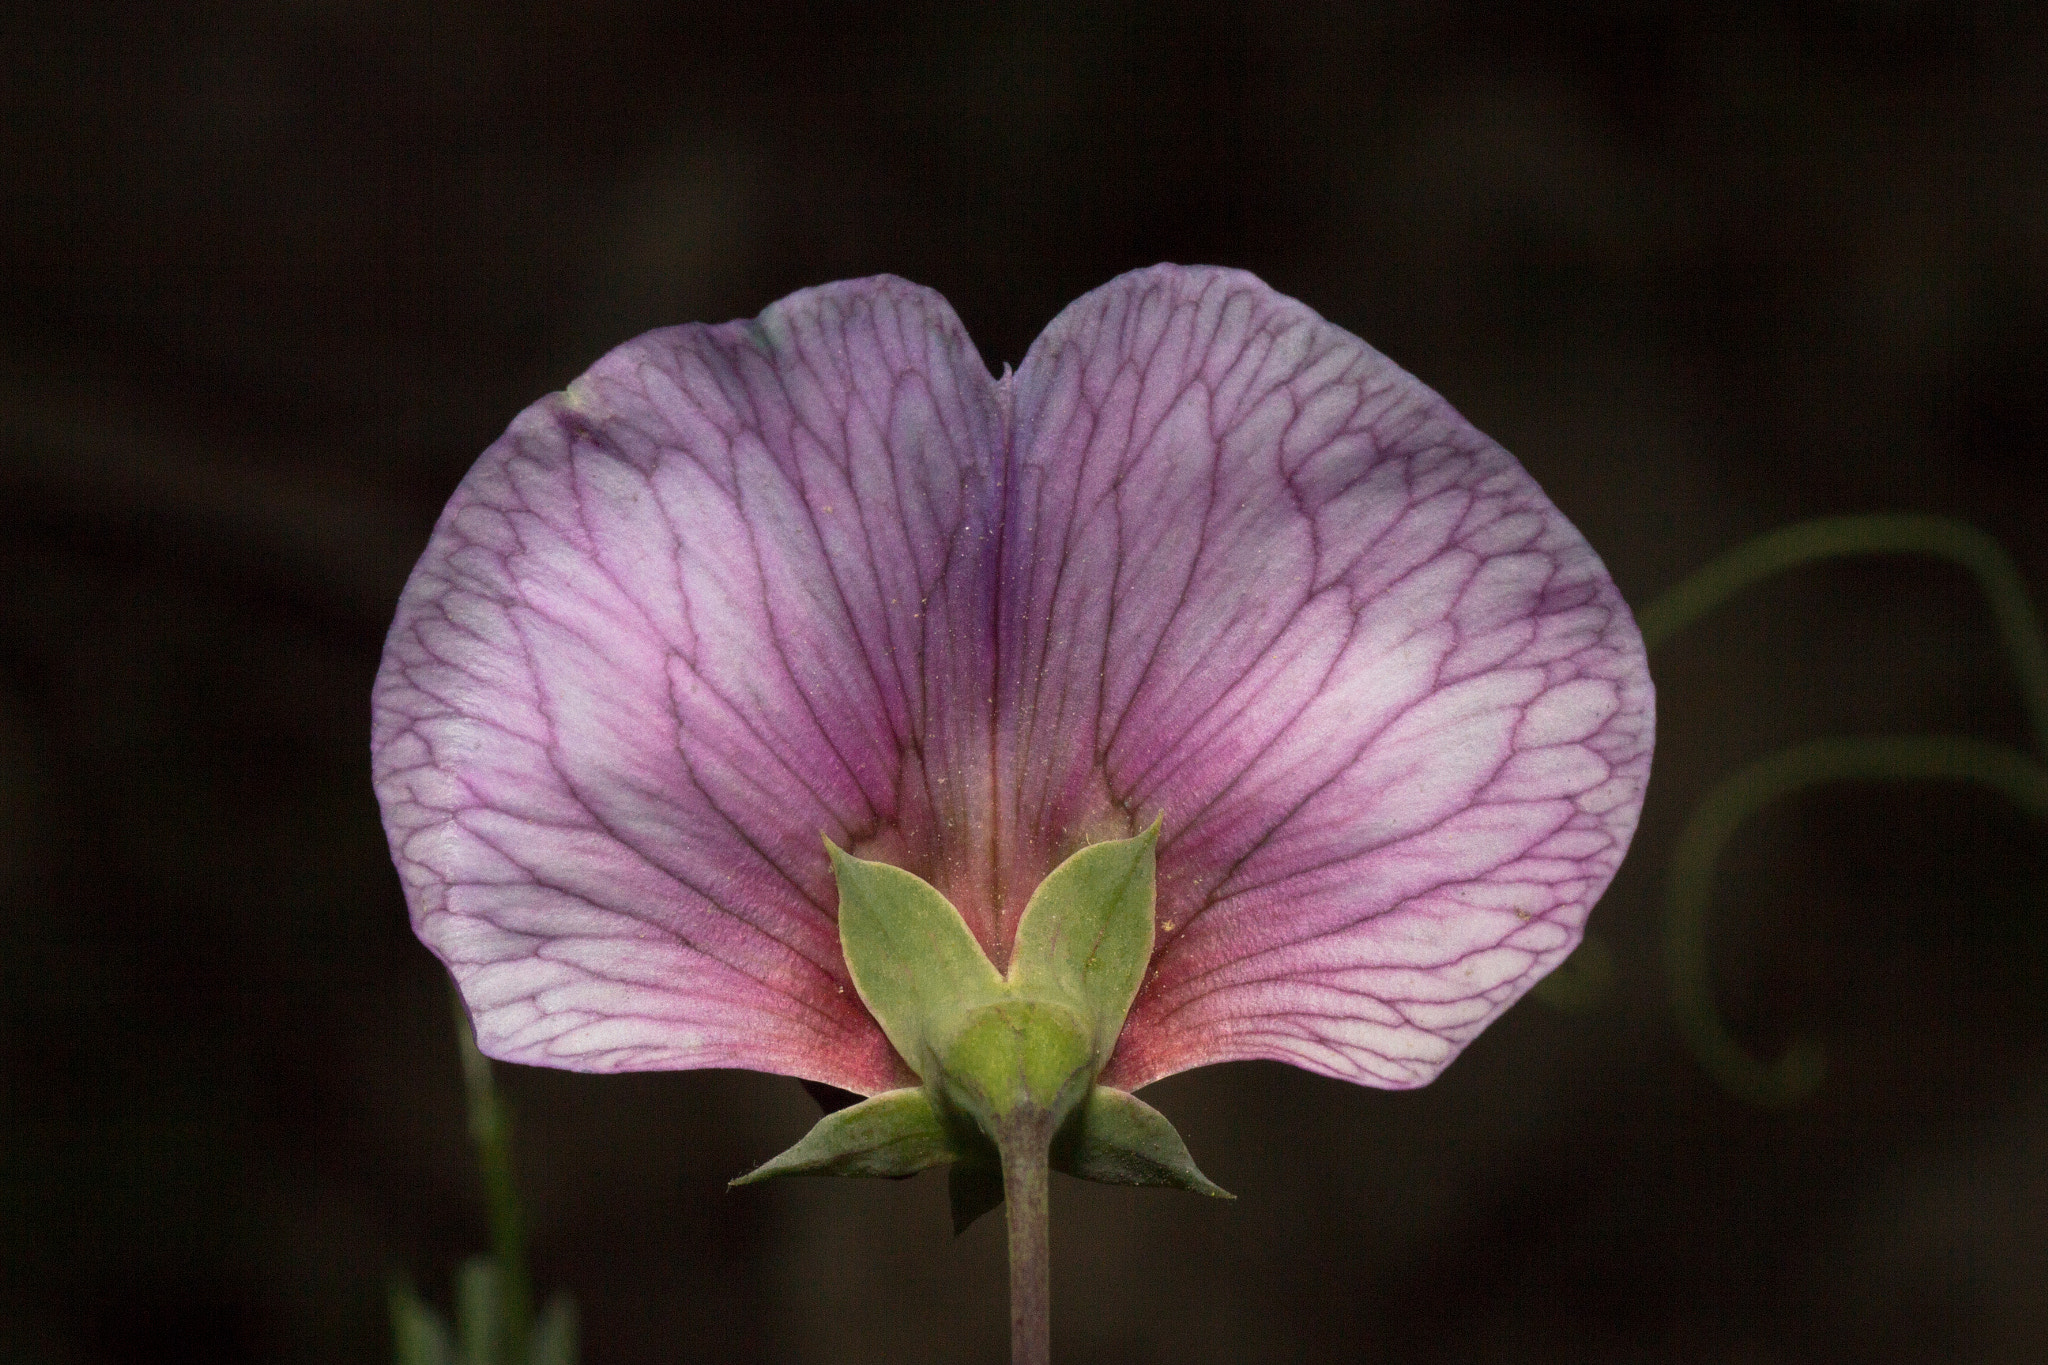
column 1203, row 557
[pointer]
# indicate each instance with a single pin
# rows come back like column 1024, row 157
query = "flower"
column 1203, row 558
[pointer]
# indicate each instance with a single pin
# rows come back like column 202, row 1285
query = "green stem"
column 1714, row 821
column 491, row 1129
column 1025, row 1145
column 1877, row 533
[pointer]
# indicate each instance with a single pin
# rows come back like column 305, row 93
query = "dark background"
column 274, row 273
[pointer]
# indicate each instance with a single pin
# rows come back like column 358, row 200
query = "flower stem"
column 1025, row 1145
column 491, row 1130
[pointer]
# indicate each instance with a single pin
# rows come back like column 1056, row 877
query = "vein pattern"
column 1205, row 557
column 1265, row 584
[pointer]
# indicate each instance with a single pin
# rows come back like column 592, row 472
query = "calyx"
column 1006, row 1060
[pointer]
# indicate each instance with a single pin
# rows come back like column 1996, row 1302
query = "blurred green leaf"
column 419, row 1334
column 482, row 1337
column 554, row 1336
column 480, row 1313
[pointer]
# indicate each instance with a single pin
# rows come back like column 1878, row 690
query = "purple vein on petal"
column 718, row 599
column 1204, row 556
column 1339, row 611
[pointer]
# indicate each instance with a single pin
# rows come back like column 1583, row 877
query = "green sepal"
column 1008, row 1061
column 1086, row 934
column 1017, row 1058
column 914, row 961
column 973, row 1188
column 891, row 1135
column 1114, row 1138
column 1118, row 1139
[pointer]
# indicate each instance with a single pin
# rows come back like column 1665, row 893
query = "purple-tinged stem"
column 1026, row 1150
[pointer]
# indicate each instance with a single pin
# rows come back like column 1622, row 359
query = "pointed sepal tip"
column 1118, row 1139
column 888, row 1136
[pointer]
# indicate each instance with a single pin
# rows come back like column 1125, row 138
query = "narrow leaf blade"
column 419, row 1334
column 554, row 1336
column 480, row 1312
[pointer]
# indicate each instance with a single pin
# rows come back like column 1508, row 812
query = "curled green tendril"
column 2019, row 628
column 1714, row 821
column 1689, row 887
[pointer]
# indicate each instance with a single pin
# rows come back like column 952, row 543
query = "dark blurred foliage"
column 275, row 272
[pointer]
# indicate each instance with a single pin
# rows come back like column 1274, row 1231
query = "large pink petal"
column 1260, row 581
column 749, row 584
column 730, row 592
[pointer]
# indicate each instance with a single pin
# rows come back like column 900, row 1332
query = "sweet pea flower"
column 1204, row 565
